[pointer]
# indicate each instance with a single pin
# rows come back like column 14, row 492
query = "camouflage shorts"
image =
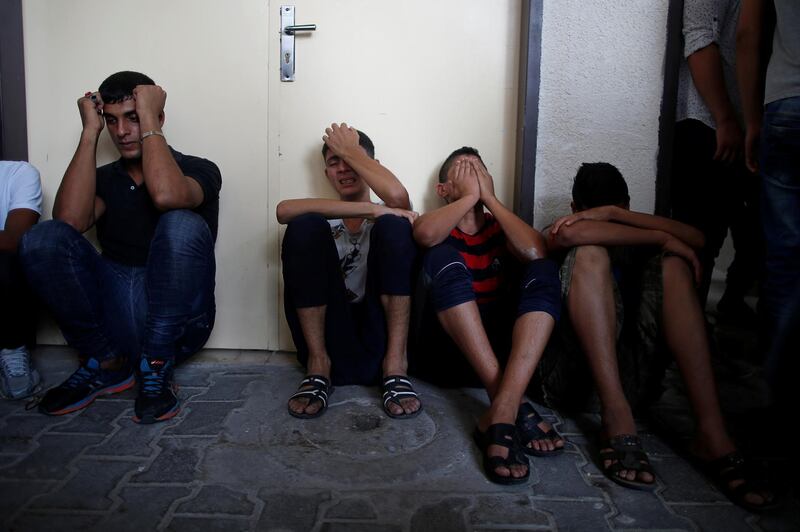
column 563, row 378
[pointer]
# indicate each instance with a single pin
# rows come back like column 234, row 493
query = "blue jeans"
column 105, row 309
column 780, row 174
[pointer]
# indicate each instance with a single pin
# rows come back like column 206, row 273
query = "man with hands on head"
column 347, row 270
column 628, row 280
column 495, row 298
column 147, row 302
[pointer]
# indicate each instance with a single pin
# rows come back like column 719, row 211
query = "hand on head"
column 150, row 101
column 90, row 106
column 340, row 138
column 465, row 180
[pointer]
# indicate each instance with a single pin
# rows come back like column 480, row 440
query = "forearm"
column 287, row 210
column 691, row 236
column 74, row 202
column 748, row 61
column 590, row 232
column 705, row 66
column 166, row 184
column 8, row 242
column 379, row 178
column 524, row 241
column 433, row 227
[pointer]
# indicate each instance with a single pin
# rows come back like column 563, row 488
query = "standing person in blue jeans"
column 774, row 120
column 147, row 302
column 347, row 271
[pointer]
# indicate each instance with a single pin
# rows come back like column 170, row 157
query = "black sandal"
column 395, row 388
column 730, row 468
column 626, row 454
column 320, row 389
column 527, row 423
column 505, row 435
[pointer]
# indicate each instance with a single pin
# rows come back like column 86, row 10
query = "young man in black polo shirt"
column 146, row 302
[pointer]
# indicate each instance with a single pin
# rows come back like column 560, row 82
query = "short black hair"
column 463, row 150
column 599, row 184
column 118, row 87
column 363, row 140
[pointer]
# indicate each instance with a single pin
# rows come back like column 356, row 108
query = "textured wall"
column 602, row 76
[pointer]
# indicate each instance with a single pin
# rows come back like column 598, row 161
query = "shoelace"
column 80, row 377
column 153, row 383
column 14, row 362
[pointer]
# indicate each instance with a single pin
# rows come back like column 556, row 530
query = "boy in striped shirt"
column 493, row 293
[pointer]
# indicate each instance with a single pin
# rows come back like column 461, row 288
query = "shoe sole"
column 116, row 388
column 147, row 420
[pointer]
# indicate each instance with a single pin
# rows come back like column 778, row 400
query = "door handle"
column 288, row 29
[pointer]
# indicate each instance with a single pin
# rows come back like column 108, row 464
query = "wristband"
column 150, row 133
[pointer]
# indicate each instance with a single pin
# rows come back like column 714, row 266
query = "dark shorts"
column 564, row 379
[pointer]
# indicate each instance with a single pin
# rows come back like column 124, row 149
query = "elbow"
column 75, row 222
column 425, row 237
column 282, row 213
column 398, row 199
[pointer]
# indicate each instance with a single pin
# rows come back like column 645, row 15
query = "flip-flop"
column 730, row 468
column 504, row 435
column 625, row 453
column 527, row 423
column 395, row 388
column 320, row 389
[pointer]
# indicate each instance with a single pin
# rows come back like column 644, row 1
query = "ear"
column 161, row 117
column 443, row 190
column 573, row 207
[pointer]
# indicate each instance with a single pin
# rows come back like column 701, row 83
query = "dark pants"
column 17, row 305
column 714, row 196
column 164, row 309
column 448, row 283
column 355, row 333
column 780, row 295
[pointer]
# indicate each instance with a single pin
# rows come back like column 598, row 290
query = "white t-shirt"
column 353, row 249
column 20, row 188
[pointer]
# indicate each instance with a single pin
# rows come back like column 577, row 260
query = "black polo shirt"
column 129, row 222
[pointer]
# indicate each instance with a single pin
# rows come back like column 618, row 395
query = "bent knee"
column 182, row 226
column 541, row 289
column 591, row 257
column 45, row 237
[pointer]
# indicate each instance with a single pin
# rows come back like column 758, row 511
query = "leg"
column 179, row 283
column 780, row 175
column 538, row 311
column 89, row 297
column 701, row 187
column 685, row 334
column 18, row 378
column 390, row 264
column 592, row 311
column 453, row 298
column 316, row 306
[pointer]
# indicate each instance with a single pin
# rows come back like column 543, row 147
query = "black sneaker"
column 83, row 386
column 157, row 400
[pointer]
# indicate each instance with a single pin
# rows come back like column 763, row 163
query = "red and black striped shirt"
column 484, row 252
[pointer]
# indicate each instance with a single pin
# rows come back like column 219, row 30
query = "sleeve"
column 700, row 25
column 206, row 173
column 26, row 189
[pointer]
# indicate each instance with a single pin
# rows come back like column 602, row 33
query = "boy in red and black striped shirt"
column 470, row 271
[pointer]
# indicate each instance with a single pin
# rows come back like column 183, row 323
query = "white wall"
column 600, row 96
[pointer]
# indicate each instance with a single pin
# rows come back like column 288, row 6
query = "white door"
column 420, row 77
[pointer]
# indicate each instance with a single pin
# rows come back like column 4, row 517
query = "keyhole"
column 287, row 57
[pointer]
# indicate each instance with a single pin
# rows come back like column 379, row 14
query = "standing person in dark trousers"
column 773, row 149
column 711, row 188
column 494, row 300
column 20, row 208
column 147, row 302
column 347, row 270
